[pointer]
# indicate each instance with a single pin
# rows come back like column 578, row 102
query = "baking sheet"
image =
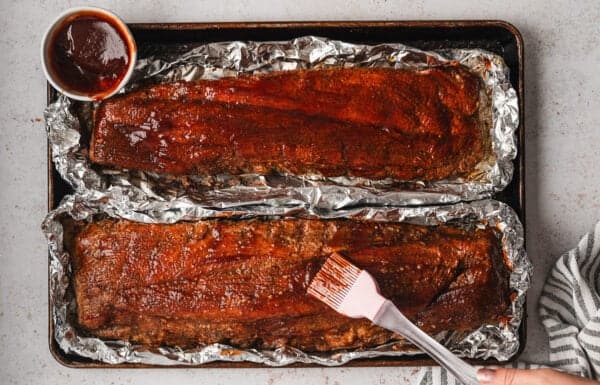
column 499, row 341
column 496, row 36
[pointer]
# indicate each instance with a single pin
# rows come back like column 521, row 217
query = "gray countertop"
column 562, row 91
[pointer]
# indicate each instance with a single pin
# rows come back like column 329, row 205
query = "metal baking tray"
column 498, row 37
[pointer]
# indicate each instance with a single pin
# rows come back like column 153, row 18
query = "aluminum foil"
column 499, row 341
column 68, row 122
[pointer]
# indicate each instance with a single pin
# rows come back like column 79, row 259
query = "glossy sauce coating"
column 244, row 282
column 364, row 122
column 89, row 54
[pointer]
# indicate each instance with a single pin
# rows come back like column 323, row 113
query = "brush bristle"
column 333, row 282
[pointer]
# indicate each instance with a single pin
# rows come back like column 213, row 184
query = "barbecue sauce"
column 89, row 54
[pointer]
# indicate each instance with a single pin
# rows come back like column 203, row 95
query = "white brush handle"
column 389, row 317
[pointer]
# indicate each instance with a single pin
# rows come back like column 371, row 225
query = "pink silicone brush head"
column 346, row 288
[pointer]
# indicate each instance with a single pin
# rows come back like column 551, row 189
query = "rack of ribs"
column 374, row 123
column 243, row 282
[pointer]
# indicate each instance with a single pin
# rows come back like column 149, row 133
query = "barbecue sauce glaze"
column 89, row 54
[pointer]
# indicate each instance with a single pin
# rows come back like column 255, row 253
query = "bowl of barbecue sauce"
column 88, row 53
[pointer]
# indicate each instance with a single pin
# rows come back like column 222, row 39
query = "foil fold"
column 499, row 341
column 68, row 122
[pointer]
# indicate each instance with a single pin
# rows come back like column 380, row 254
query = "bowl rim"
column 130, row 41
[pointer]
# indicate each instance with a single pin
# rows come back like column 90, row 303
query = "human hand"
column 507, row 376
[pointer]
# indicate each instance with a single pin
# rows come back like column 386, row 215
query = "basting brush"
column 354, row 293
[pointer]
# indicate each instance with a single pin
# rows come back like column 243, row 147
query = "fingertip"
column 485, row 376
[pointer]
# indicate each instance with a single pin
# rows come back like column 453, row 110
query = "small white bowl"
column 58, row 23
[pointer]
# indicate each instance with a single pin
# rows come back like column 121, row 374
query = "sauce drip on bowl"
column 89, row 54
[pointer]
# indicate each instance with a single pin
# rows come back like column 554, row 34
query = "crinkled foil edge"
column 215, row 60
column 499, row 341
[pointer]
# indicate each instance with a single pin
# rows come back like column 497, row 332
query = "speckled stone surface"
column 562, row 75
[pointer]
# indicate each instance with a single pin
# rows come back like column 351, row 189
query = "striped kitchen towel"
column 569, row 308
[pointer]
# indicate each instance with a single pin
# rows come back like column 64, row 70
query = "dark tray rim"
column 73, row 361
